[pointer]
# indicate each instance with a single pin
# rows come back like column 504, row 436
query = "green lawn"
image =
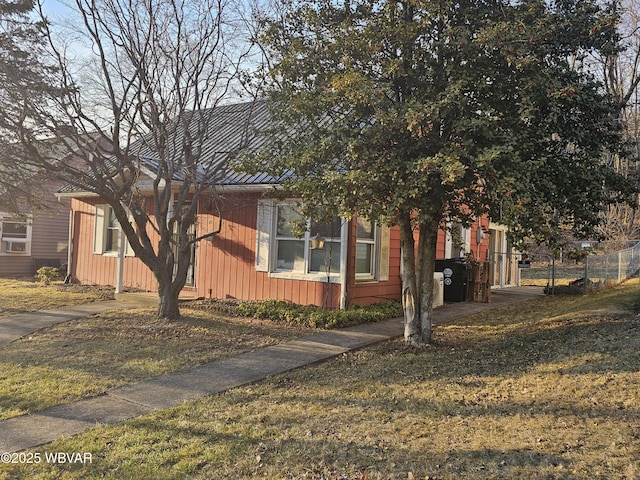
column 537, row 391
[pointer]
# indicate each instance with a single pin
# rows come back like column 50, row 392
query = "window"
column 372, row 251
column 16, row 235
column 365, row 248
column 313, row 253
column 316, row 251
column 106, row 233
column 458, row 240
column 112, row 232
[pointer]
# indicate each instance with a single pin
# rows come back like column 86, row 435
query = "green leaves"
column 438, row 108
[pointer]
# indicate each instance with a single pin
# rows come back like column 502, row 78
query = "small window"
column 16, row 235
column 372, row 251
column 111, row 234
column 365, row 247
column 106, row 235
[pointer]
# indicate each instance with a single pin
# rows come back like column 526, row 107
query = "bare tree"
column 620, row 73
column 135, row 103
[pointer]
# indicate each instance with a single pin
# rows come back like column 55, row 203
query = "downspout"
column 344, row 249
column 67, row 278
column 120, row 265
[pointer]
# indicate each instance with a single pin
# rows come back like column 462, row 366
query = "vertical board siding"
column 95, row 269
column 225, row 263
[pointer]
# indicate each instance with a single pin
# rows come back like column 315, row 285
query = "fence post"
column 553, row 274
column 586, row 274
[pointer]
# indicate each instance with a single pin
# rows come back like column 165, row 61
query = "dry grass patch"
column 19, row 296
column 545, row 389
column 86, row 357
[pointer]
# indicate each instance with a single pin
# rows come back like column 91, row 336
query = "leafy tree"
column 23, row 75
column 138, row 79
column 421, row 112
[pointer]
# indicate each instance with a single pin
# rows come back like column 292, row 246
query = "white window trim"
column 27, row 240
column 375, row 256
column 100, row 233
column 267, row 242
column 380, row 256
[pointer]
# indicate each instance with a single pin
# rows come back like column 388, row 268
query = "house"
column 34, row 228
column 33, row 239
column 34, row 225
column 257, row 255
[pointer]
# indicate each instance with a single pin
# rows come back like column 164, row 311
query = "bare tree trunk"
column 426, row 263
column 410, row 298
column 168, row 307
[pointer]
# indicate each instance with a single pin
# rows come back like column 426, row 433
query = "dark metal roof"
column 227, row 130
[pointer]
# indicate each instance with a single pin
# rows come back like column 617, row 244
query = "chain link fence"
column 602, row 271
column 591, row 273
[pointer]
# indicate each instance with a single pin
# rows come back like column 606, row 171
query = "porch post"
column 120, row 266
column 344, row 249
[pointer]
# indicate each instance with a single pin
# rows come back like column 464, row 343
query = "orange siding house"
column 250, row 259
column 256, row 255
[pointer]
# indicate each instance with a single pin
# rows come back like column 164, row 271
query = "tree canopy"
column 24, row 74
column 422, row 112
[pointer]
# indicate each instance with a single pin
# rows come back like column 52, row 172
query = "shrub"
column 316, row 317
column 47, row 274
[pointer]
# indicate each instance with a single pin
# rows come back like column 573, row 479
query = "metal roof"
column 226, row 131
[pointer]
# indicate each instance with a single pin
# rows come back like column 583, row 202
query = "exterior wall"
column 90, row 268
column 225, row 263
column 49, row 238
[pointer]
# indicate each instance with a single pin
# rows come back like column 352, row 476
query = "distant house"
column 256, row 255
column 34, row 228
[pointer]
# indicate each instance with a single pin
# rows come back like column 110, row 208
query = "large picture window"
column 290, row 246
column 15, row 233
column 316, row 251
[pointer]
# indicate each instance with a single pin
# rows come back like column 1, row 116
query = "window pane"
column 112, row 221
column 287, row 216
column 327, row 230
column 111, row 240
column 14, row 229
column 326, row 258
column 364, row 229
column 14, row 247
column 290, row 255
column 363, row 257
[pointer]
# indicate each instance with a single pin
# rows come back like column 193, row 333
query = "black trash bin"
column 456, row 277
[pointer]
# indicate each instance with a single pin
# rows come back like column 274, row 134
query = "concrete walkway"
column 137, row 399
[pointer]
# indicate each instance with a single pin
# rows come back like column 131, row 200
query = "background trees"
column 23, row 74
column 132, row 78
column 418, row 113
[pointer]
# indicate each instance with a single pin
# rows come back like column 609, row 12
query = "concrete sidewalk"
column 17, row 326
column 137, row 399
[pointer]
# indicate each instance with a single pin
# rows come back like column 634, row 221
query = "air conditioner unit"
column 14, row 247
